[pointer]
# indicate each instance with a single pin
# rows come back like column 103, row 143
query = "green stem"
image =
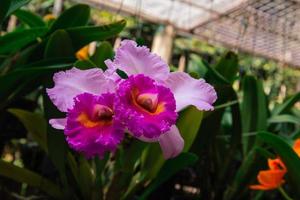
column 284, row 194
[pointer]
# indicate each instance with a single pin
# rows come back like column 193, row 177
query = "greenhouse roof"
column 267, row 28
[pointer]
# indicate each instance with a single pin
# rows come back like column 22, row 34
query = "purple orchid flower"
column 148, row 101
column 88, row 99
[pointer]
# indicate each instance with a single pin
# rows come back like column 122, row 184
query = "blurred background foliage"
column 257, row 114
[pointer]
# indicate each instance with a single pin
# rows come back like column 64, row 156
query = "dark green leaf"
column 228, row 66
column 170, row 168
column 85, row 178
column 29, row 18
column 245, row 175
column 285, row 118
column 82, row 36
column 84, row 64
column 16, row 4
column 31, row 178
column 4, row 7
column 188, row 124
column 249, row 104
column 287, row 104
column 20, row 77
column 133, row 153
column 254, row 109
column 196, row 65
column 103, row 51
column 59, row 45
column 78, row 15
column 14, row 41
column 35, row 124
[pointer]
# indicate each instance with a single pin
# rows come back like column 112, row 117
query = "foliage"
column 224, row 148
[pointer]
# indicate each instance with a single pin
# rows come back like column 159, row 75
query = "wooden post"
column 12, row 23
column 182, row 63
column 57, row 7
column 163, row 43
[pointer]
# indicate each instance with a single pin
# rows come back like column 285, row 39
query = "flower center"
column 101, row 116
column 102, row 113
column 148, row 101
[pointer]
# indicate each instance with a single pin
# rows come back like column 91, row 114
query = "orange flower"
column 49, row 17
column 83, row 53
column 296, row 147
column 272, row 178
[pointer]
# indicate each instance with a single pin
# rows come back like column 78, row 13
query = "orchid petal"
column 58, row 123
column 190, row 91
column 72, row 82
column 133, row 59
column 171, row 143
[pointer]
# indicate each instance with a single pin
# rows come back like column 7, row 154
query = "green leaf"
column 287, row 155
column 228, row 66
column 254, row 109
column 84, row 64
column 196, row 65
column 170, row 168
column 188, row 124
column 16, row 4
column 245, row 174
column 4, row 7
column 35, row 124
column 262, row 114
column 59, row 45
column 77, row 15
column 29, row 18
column 213, row 76
column 14, row 41
column 103, row 51
column 249, row 104
column 286, row 105
column 85, row 178
column 31, row 178
column 18, row 59
column 82, row 36
column 285, row 118
column 21, row 77
column 132, row 153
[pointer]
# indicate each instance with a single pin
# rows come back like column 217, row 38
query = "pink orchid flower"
column 88, row 99
column 148, row 101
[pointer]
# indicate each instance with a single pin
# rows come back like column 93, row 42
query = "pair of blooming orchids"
column 101, row 106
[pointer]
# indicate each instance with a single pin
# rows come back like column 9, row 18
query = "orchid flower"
column 88, row 98
column 273, row 178
column 148, row 101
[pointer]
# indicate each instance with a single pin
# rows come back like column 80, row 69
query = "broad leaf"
column 286, row 105
column 228, row 66
column 59, row 45
column 14, row 41
column 4, row 7
column 20, row 78
column 78, row 15
column 170, row 168
column 82, row 36
column 103, row 51
column 31, row 178
column 35, row 124
column 16, row 4
column 285, row 118
column 29, row 18
column 188, row 124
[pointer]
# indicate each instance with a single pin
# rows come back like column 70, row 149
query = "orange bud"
column 83, row 53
